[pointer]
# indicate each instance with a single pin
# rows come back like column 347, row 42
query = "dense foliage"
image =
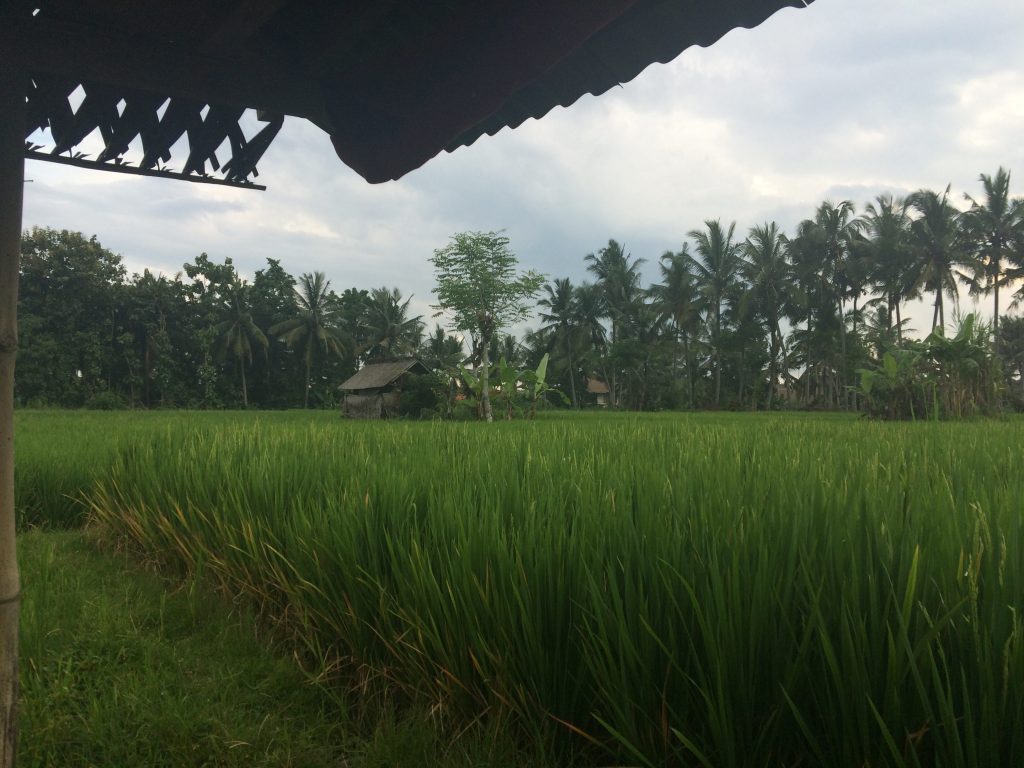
column 758, row 320
column 752, row 590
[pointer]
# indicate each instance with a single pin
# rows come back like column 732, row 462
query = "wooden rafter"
column 121, row 115
column 60, row 48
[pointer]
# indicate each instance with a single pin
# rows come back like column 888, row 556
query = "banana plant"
column 509, row 377
column 537, row 386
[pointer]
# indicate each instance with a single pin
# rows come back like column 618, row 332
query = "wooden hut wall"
column 358, row 406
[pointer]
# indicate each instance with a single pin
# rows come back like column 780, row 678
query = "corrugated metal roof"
column 652, row 32
column 393, row 82
column 378, row 375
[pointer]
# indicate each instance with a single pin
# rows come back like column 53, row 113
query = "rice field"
column 712, row 590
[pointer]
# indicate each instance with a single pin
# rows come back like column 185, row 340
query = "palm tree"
column 238, row 333
column 887, row 225
column 678, row 299
column 990, row 228
column 938, row 247
column 311, row 328
column 442, row 350
column 805, row 254
column 558, row 316
column 716, row 271
column 590, row 309
column 619, row 279
column 444, row 353
column 766, row 267
column 839, row 228
column 386, row 327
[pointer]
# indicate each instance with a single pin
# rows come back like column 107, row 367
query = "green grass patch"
column 120, row 667
column 118, row 670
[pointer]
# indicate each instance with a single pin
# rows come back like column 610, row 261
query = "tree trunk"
column 305, row 396
column 842, row 355
column 572, row 382
column 855, row 405
column 772, row 373
column 995, row 308
column 718, row 352
column 899, row 322
column 807, row 363
column 12, row 176
column 689, row 369
column 485, row 380
column 245, row 394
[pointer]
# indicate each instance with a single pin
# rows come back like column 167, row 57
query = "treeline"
column 91, row 336
column 761, row 320
column 749, row 321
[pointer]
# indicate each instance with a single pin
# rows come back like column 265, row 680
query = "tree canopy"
column 479, row 283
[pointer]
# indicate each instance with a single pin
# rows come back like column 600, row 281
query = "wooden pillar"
column 12, row 181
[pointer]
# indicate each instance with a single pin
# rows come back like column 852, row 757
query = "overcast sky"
column 841, row 100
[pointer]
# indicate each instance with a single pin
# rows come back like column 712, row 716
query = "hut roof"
column 597, row 387
column 378, row 375
column 393, row 83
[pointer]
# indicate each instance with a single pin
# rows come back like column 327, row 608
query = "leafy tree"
column 312, row 328
column 209, row 296
column 70, row 339
column 479, row 283
column 1010, row 348
column 276, row 379
column 154, row 315
column 239, row 334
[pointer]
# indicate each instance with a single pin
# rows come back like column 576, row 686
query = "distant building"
column 598, row 390
column 374, row 391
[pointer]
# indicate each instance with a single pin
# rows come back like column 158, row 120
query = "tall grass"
column 718, row 591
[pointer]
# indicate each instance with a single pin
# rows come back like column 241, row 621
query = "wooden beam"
column 171, row 69
column 13, row 90
column 136, row 171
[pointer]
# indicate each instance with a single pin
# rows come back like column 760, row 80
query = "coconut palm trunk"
column 305, row 394
column 718, row 352
column 245, row 391
column 995, row 307
column 689, row 368
column 12, row 174
column 572, row 381
column 772, row 366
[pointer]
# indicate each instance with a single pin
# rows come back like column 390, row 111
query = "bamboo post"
column 12, row 180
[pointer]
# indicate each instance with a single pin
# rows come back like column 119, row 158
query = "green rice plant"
column 718, row 590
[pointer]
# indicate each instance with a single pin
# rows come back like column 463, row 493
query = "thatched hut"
column 598, row 390
column 374, row 391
